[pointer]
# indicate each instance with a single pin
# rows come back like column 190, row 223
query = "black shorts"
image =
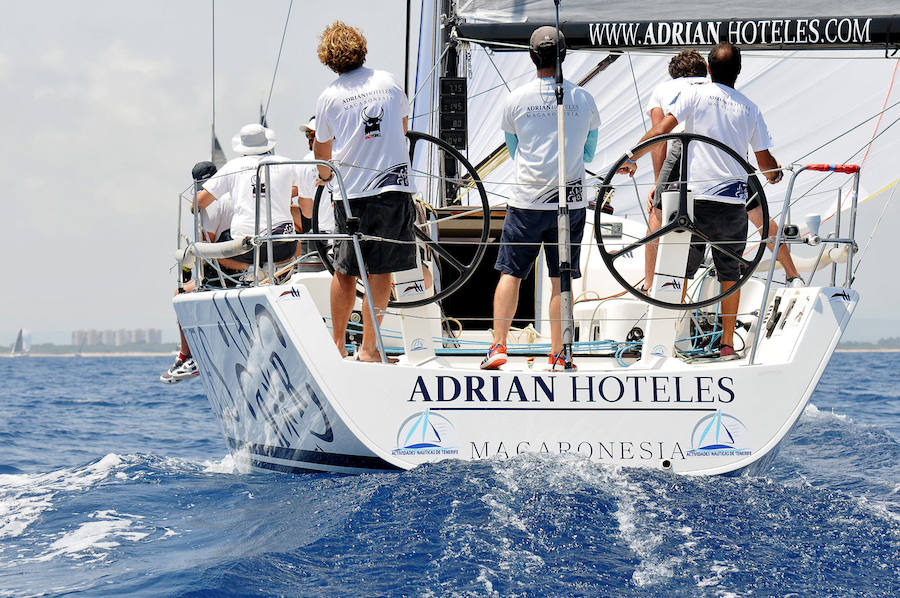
column 669, row 173
column 281, row 250
column 523, row 233
column 211, row 277
column 390, row 215
column 725, row 224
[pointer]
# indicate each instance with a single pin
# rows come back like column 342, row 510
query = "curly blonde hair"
column 342, row 48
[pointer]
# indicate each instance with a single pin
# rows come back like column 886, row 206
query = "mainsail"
column 22, row 344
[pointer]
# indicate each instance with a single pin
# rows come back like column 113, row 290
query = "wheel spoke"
column 641, row 242
column 718, row 246
column 440, row 250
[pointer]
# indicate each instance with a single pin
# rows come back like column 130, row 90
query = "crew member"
column 255, row 143
column 361, row 121
column 214, row 222
column 688, row 68
column 529, row 123
column 719, row 111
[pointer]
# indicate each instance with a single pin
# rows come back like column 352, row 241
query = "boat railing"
column 833, row 239
column 267, row 239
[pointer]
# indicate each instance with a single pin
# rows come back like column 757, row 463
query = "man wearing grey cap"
column 529, row 123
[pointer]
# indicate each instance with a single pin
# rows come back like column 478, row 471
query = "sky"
column 106, row 105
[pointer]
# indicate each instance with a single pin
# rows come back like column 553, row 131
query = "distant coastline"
column 129, row 350
column 884, row 345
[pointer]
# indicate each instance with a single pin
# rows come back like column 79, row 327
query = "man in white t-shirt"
column 719, row 183
column 361, row 127
column 529, row 123
column 686, row 68
column 238, row 178
column 306, row 187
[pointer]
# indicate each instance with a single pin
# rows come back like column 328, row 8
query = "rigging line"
column 848, row 131
column 637, row 93
column 213, row 2
column 875, row 229
column 886, row 98
column 430, row 73
column 278, row 60
column 830, row 174
column 499, row 74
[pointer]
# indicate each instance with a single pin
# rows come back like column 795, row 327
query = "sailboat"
column 22, row 344
column 648, row 391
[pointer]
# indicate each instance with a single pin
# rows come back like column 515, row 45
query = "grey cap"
column 545, row 37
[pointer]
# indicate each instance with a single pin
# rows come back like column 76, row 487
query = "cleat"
column 496, row 356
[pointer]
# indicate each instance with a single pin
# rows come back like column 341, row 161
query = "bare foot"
column 375, row 358
column 343, row 351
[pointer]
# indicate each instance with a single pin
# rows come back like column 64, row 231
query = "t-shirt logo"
column 372, row 124
column 262, row 187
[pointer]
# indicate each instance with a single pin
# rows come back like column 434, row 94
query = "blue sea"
column 113, row 484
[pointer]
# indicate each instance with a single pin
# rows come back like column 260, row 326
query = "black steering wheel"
column 451, row 267
column 682, row 222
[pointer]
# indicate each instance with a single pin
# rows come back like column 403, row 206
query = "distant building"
column 117, row 338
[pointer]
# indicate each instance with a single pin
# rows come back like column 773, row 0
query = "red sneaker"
column 555, row 363
column 728, row 352
column 496, row 356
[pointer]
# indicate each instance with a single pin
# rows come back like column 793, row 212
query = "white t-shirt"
column 530, row 114
column 666, row 92
column 216, row 217
column 238, row 177
column 363, row 112
column 306, row 187
column 725, row 114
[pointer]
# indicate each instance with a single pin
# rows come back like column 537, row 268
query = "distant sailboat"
column 22, row 346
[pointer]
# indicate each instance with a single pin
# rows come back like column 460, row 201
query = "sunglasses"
column 310, row 134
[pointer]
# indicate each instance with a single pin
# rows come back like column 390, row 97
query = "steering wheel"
column 682, row 222
column 446, row 262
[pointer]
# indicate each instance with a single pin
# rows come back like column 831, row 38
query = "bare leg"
column 650, row 249
column 380, row 289
column 730, row 305
column 343, row 295
column 227, row 262
column 184, row 349
column 555, row 318
column 784, row 253
column 506, row 299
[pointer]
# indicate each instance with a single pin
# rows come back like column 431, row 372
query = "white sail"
column 816, row 104
column 22, row 344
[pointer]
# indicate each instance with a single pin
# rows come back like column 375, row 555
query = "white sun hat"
column 310, row 126
column 253, row 139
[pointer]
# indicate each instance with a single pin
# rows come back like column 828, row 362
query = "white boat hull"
column 288, row 402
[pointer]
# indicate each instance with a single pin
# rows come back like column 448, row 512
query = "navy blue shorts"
column 523, row 233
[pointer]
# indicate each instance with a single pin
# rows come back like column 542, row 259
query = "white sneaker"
column 180, row 370
column 186, row 370
column 796, row 282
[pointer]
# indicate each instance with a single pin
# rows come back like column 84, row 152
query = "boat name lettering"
column 583, row 389
column 623, row 450
column 737, row 31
